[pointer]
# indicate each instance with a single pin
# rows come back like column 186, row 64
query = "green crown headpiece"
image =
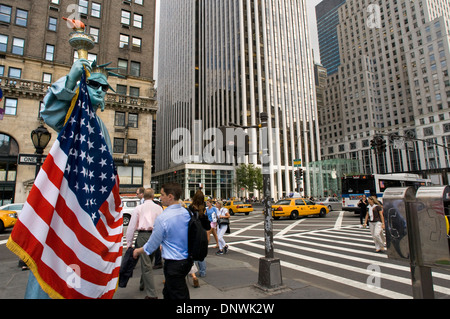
column 101, row 72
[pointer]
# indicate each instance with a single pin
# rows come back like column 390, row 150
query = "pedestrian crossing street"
column 344, row 258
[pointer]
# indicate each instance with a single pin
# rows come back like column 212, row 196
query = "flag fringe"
column 22, row 254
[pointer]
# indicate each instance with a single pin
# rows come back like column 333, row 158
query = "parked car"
column 295, row 207
column 17, row 207
column 8, row 219
column 332, row 203
column 128, row 206
column 237, row 206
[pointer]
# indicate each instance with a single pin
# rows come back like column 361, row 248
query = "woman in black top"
column 362, row 204
column 198, row 207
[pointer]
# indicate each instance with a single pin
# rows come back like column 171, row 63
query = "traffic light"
column 378, row 144
column 373, row 144
column 300, row 172
column 381, row 145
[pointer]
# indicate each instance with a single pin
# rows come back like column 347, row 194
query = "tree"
column 249, row 177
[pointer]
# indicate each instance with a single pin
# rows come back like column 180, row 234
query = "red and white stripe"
column 58, row 235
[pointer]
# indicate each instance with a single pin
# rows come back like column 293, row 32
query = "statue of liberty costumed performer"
column 61, row 97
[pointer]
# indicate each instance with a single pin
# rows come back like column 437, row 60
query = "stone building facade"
column 35, row 52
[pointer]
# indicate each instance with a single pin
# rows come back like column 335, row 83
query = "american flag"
column 70, row 230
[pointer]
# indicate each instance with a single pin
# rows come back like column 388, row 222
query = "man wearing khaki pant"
column 142, row 220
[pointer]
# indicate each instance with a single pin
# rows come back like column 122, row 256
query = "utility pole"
column 269, row 277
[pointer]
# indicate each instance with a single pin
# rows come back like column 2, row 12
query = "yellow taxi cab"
column 448, row 225
column 295, row 207
column 8, row 219
column 186, row 203
column 238, row 206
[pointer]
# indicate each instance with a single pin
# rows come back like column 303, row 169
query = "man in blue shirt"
column 171, row 232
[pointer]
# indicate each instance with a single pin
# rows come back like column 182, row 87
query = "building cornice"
column 19, row 88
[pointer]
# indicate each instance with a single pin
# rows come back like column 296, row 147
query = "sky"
column 311, row 7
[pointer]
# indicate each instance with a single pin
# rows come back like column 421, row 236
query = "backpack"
column 197, row 238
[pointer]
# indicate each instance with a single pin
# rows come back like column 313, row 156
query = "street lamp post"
column 40, row 138
column 269, row 277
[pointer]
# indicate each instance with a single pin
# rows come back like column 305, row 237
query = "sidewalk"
column 225, row 279
column 229, row 279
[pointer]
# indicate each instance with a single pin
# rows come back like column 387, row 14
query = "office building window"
column 95, row 33
column 96, row 10
column 10, row 106
column 14, row 73
column 46, row 78
column 124, row 40
column 137, row 21
column 137, row 44
column 49, row 52
column 3, row 42
column 119, row 119
column 18, row 46
column 132, row 146
column 121, row 89
column 52, row 23
column 130, row 175
column 135, row 69
column 125, row 17
column 21, row 17
column 141, row 2
column 83, row 6
column 5, row 13
column 133, row 120
column 134, row 91
column 123, row 66
column 118, row 145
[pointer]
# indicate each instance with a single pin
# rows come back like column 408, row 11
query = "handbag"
column 224, row 221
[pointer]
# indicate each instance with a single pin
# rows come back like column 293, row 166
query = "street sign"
column 30, row 159
column 399, row 144
column 297, row 163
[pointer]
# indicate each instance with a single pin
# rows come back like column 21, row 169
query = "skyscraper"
column 327, row 20
column 393, row 80
column 226, row 62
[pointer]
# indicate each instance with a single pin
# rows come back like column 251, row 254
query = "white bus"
column 355, row 186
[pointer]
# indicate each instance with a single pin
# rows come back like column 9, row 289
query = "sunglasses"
column 95, row 85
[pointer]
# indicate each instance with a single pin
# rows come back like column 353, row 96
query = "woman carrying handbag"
column 375, row 215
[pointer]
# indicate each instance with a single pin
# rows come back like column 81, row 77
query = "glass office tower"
column 327, row 15
column 223, row 62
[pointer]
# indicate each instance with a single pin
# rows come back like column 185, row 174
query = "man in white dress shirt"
column 142, row 221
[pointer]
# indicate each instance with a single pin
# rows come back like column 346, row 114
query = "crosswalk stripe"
column 348, row 282
column 246, row 228
column 335, row 264
column 356, row 243
column 287, row 229
column 361, row 260
column 436, row 274
column 339, row 220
